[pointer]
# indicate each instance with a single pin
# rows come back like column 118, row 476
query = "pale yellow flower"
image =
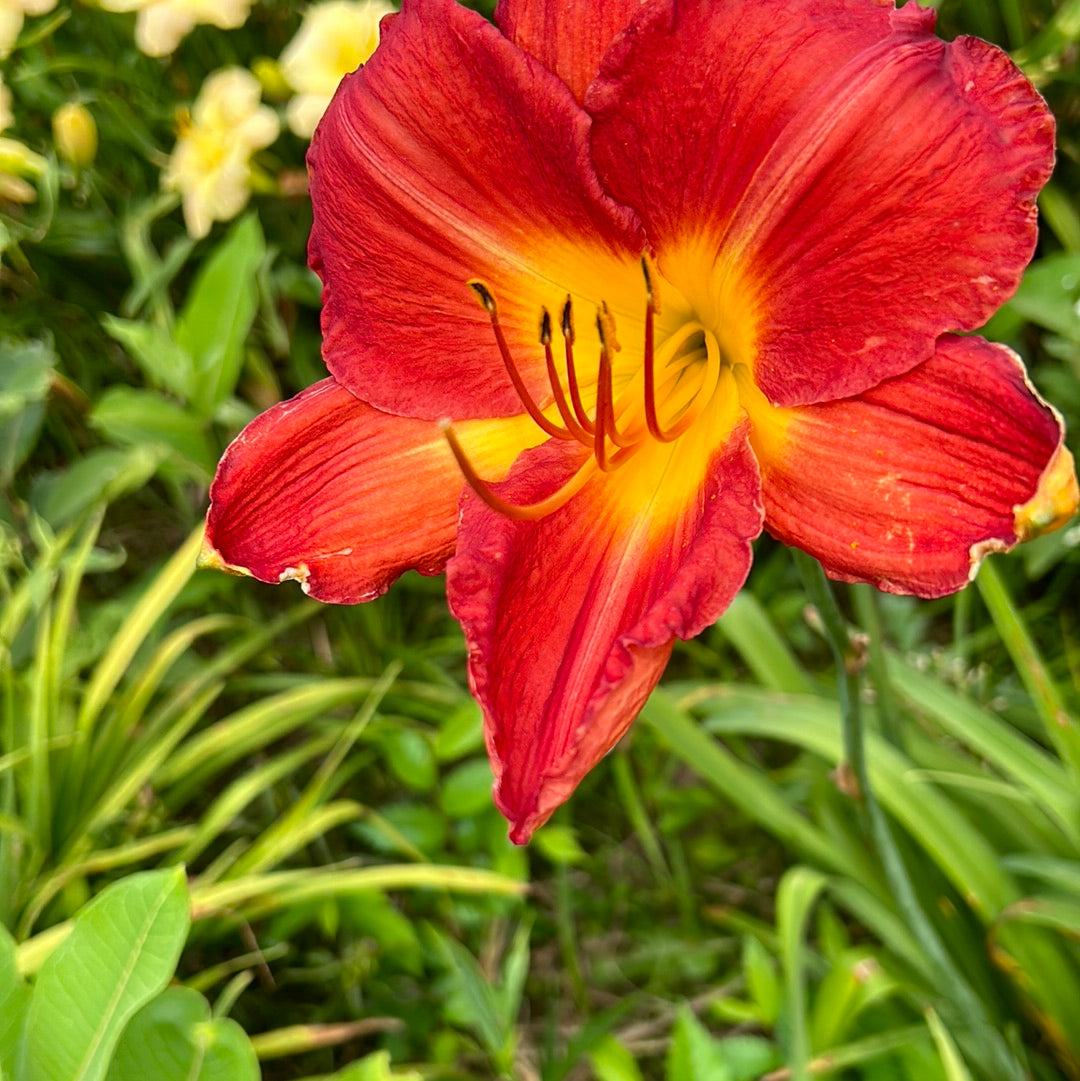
column 161, row 25
column 12, row 13
column 16, row 160
column 335, row 38
column 211, row 164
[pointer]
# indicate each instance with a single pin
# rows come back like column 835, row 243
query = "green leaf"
column 559, row 844
column 1049, row 294
column 373, row 1067
column 219, row 311
column 514, row 970
column 1060, row 913
column 474, row 1004
column 612, row 1062
column 762, row 983
column 164, row 363
column 174, row 1038
column 694, row 1054
column 25, row 374
column 795, row 898
column 747, row 1057
column 466, row 791
column 410, row 757
column 134, row 417
column 14, row 998
column 951, row 1059
column 103, row 474
column 121, row 952
column 462, row 734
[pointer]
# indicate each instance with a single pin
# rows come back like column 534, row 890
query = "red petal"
column 867, row 185
column 570, row 619
column 452, row 155
column 568, row 38
column 341, row 497
column 910, row 484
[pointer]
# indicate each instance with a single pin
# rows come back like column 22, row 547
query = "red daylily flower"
column 670, row 271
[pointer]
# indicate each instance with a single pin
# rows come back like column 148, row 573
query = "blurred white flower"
column 211, row 164
column 12, row 13
column 162, row 24
column 16, row 160
column 335, row 38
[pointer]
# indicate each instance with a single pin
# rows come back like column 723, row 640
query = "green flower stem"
column 987, row 1042
column 867, row 602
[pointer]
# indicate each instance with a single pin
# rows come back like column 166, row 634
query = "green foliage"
column 728, row 896
column 120, row 953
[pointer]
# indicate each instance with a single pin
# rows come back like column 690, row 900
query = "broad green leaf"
column 410, row 757
column 559, row 844
column 1049, row 294
column 694, row 1054
column 14, row 999
column 103, row 474
column 164, row 363
column 466, row 790
column 462, row 734
column 25, row 373
column 219, row 311
column 747, row 1058
column 121, row 952
column 174, row 1038
column 133, row 417
column 612, row 1062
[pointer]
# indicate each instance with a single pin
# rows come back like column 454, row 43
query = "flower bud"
column 75, row 134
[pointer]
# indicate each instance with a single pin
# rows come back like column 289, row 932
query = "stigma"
column 618, row 426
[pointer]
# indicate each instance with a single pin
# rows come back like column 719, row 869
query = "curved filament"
column 534, row 411
column 600, row 433
column 522, row 512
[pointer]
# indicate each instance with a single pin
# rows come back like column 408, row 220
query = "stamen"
column 600, row 433
column 652, row 290
column 567, row 320
column 520, row 512
column 534, row 411
column 702, row 396
column 605, row 395
column 557, row 391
